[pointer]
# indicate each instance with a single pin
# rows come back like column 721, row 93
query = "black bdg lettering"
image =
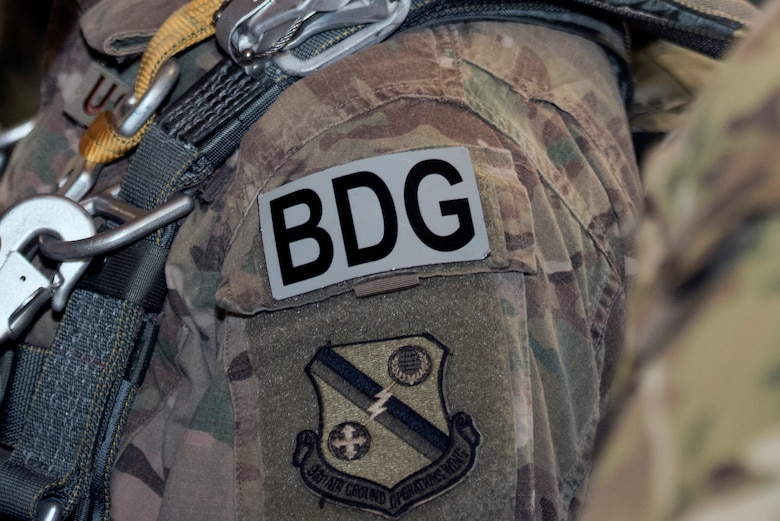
column 458, row 207
column 341, row 188
column 378, row 218
column 284, row 236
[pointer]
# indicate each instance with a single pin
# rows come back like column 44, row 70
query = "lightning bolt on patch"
column 382, row 397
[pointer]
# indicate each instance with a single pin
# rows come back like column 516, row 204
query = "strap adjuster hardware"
column 66, row 232
column 255, row 33
column 136, row 224
column 64, row 227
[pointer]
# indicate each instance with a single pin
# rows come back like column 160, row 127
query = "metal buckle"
column 255, row 33
column 64, row 228
column 26, row 288
column 132, row 114
column 66, row 232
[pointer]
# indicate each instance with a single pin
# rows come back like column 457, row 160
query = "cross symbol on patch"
column 349, row 441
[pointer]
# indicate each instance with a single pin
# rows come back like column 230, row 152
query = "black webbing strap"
column 83, row 368
column 66, row 437
column 65, row 413
column 134, row 273
column 23, row 375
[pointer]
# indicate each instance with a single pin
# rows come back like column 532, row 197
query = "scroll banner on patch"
column 443, row 474
column 372, row 216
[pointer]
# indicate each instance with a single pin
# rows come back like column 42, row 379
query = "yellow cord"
column 188, row 25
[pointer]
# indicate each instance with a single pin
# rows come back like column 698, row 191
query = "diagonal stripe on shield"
column 386, row 442
column 382, row 412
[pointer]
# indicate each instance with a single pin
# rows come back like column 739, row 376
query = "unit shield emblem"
column 386, row 442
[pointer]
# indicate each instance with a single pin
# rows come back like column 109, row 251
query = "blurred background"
column 22, row 27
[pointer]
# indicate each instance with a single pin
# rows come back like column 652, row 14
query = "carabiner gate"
column 254, row 34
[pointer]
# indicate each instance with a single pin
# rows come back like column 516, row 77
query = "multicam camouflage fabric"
column 529, row 334
column 699, row 436
column 522, row 342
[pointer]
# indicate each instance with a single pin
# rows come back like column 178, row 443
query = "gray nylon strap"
column 78, row 377
column 20, row 486
column 25, row 365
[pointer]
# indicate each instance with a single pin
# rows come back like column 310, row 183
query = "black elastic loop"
column 135, row 274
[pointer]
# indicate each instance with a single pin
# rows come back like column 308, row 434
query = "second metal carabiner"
column 26, row 288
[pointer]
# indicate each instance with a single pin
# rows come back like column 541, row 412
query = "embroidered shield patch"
column 386, row 442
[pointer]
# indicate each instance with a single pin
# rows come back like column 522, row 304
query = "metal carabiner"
column 356, row 12
column 128, row 118
column 131, row 115
column 79, row 178
column 253, row 33
column 382, row 18
column 26, row 288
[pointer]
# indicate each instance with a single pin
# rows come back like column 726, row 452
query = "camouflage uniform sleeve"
column 248, row 411
column 699, row 434
column 479, row 383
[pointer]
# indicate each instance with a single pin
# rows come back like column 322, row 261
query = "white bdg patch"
column 372, row 216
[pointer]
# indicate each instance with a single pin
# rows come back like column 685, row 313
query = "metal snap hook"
column 25, row 287
column 132, row 114
column 385, row 22
column 253, row 32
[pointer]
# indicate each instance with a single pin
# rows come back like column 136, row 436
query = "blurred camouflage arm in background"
column 699, row 438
